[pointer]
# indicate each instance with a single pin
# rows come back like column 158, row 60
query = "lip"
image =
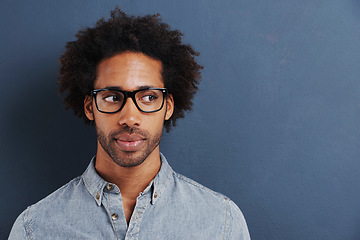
column 130, row 143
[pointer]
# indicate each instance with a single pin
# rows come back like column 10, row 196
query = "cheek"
column 154, row 123
column 105, row 123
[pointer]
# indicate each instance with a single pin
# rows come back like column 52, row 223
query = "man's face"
column 128, row 137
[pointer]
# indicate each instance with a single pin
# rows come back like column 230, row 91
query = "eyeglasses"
column 147, row 100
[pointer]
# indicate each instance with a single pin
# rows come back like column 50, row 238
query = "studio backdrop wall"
column 275, row 125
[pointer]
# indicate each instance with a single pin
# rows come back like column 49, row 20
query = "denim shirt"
column 171, row 207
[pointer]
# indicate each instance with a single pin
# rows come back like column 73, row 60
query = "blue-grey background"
column 275, row 125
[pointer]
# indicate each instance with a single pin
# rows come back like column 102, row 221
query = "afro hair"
column 121, row 33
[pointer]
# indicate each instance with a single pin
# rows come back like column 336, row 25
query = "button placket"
column 113, row 204
column 141, row 204
column 114, row 216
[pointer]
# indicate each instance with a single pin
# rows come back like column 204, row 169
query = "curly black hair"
column 121, row 33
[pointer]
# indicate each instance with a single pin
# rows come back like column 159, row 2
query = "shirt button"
column 110, row 187
column 155, row 195
column 114, row 216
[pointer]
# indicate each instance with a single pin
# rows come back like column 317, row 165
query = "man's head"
column 121, row 33
column 129, row 87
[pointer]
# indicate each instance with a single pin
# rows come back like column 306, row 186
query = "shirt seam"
column 226, row 213
column 227, row 227
column 28, row 224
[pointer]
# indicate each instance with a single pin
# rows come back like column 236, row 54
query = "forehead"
column 129, row 71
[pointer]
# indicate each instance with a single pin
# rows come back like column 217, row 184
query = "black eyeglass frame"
column 128, row 94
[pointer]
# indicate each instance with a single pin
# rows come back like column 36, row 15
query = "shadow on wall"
column 43, row 146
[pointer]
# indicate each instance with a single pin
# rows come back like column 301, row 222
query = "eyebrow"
column 139, row 88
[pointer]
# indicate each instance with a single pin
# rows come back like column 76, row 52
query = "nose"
column 130, row 115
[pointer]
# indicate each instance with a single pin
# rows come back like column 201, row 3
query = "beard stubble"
column 128, row 159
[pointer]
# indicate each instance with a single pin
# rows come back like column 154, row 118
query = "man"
column 130, row 77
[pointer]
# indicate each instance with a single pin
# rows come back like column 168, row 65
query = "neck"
column 130, row 180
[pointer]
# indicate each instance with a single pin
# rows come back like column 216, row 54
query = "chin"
column 129, row 159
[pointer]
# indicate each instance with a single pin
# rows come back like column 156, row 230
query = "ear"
column 169, row 106
column 88, row 108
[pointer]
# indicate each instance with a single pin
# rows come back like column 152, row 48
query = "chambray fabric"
column 171, row 207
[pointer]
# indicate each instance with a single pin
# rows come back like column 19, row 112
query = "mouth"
column 130, row 143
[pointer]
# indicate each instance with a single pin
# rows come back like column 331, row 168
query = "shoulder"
column 19, row 230
column 38, row 212
column 214, row 207
column 60, row 195
column 187, row 184
column 237, row 227
column 194, row 191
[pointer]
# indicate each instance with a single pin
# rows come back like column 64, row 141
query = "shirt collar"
column 96, row 184
column 93, row 182
column 161, row 180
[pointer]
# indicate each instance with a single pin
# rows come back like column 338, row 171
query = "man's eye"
column 112, row 98
column 148, row 98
